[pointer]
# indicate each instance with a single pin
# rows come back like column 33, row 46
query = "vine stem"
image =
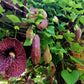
column 16, row 33
column 62, row 64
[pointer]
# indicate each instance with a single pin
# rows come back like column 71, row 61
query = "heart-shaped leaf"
column 70, row 78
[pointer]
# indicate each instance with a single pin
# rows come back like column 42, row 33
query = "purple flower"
column 12, row 57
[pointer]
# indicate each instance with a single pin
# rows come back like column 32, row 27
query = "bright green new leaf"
column 70, row 78
column 13, row 18
column 20, row 4
column 1, row 9
column 16, row 28
column 14, row 1
column 30, row 21
column 28, row 42
column 38, row 21
column 59, row 37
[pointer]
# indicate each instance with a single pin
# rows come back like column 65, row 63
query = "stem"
column 16, row 33
column 62, row 64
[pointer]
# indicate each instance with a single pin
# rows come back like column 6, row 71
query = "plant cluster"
column 41, row 37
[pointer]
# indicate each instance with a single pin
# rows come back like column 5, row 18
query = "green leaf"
column 48, row 1
column 20, row 4
column 49, row 71
column 68, row 37
column 14, row 1
column 67, row 9
column 16, row 28
column 51, row 30
column 36, row 79
column 78, row 5
column 82, row 19
column 41, row 69
column 76, row 60
column 63, row 3
column 30, row 21
column 1, row 9
column 76, row 47
column 47, row 34
column 59, row 37
column 24, row 20
column 13, row 18
column 41, row 60
column 29, row 62
column 28, row 42
column 63, row 24
column 2, row 33
column 53, row 49
column 69, row 34
column 61, row 28
column 63, row 50
column 46, row 81
column 70, row 78
column 38, row 21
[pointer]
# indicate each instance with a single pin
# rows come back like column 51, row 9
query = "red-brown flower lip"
column 12, row 57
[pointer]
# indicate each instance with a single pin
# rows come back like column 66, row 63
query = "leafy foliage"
column 59, row 35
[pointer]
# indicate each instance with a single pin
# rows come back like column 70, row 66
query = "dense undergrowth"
column 50, row 32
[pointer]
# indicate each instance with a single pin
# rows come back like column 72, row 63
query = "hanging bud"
column 36, row 52
column 47, row 55
column 29, row 33
column 43, row 24
column 77, row 32
column 53, row 69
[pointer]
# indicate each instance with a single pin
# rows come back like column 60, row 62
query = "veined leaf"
column 28, row 42
column 70, row 78
column 13, row 18
column 76, row 47
column 51, row 30
column 59, row 37
column 69, row 34
column 1, row 9
column 76, row 60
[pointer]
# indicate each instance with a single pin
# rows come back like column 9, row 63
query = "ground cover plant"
column 41, row 41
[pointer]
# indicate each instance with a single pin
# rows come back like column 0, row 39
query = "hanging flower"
column 12, row 58
column 43, row 24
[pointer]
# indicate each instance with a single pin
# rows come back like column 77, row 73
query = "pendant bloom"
column 12, row 57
